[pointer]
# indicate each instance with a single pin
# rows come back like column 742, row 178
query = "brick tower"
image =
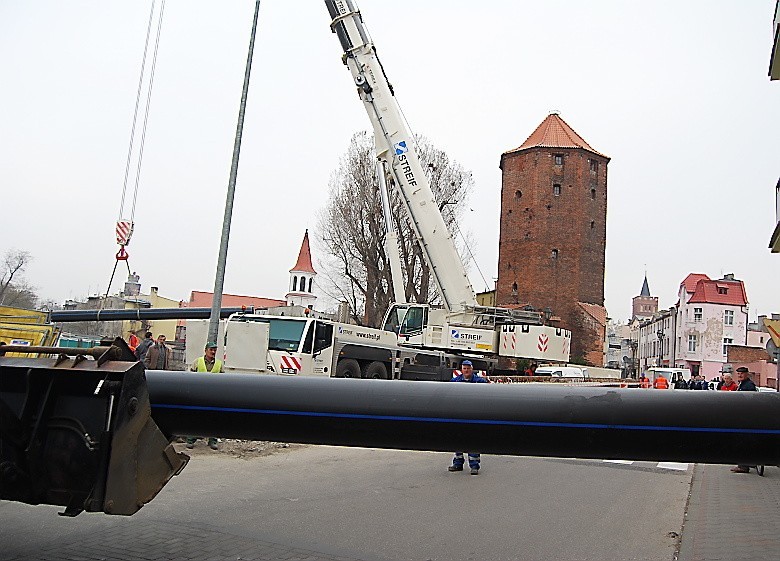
column 553, row 232
column 644, row 305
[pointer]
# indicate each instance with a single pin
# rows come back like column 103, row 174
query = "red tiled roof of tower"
column 304, row 265
column 200, row 299
column 599, row 313
column 692, row 280
column 722, row 291
column 554, row 132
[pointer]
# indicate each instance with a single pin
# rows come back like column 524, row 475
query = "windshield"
column 285, row 334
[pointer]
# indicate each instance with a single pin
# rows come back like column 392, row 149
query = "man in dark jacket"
column 467, row 375
column 745, row 385
column 143, row 346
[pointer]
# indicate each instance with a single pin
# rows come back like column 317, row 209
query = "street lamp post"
column 634, row 367
column 660, row 334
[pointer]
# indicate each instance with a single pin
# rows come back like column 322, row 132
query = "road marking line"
column 624, row 462
column 673, row 465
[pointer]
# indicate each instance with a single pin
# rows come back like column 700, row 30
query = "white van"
column 672, row 375
column 560, row 372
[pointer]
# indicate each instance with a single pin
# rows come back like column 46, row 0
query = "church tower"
column 302, row 278
column 644, row 305
column 553, row 232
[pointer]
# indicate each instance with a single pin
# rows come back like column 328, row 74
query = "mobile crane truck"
column 419, row 341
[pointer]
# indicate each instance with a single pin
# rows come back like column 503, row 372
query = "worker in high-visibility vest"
column 209, row 361
column 661, row 383
column 206, row 363
column 644, row 382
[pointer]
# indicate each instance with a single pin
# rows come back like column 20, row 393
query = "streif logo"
column 341, row 330
column 400, row 148
column 455, row 334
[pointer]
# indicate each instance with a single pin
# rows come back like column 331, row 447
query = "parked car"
column 560, row 372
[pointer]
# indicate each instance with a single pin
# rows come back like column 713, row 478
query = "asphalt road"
column 338, row 503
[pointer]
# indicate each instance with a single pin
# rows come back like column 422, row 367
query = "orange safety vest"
column 645, row 383
column 661, row 384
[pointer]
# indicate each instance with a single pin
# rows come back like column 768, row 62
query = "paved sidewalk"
column 732, row 516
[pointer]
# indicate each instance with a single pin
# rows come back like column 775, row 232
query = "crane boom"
column 396, row 148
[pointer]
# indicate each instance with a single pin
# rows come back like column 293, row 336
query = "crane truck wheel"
column 348, row 368
column 376, row 371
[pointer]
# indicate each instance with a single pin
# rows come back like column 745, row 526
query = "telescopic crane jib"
column 397, row 155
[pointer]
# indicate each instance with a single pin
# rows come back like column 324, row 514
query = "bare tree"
column 14, row 289
column 352, row 229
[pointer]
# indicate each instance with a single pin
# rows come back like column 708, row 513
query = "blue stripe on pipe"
column 462, row 421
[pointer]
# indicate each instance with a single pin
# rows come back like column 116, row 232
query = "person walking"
column 159, row 356
column 745, row 385
column 143, row 346
column 467, row 374
column 132, row 341
column 207, row 363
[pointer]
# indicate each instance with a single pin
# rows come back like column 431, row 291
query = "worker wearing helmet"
column 206, row 363
column 467, row 375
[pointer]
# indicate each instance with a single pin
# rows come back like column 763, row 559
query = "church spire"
column 302, row 278
column 304, row 265
column 645, row 288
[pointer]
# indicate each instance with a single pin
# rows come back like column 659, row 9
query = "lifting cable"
column 124, row 226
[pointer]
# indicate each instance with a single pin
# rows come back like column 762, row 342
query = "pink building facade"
column 711, row 315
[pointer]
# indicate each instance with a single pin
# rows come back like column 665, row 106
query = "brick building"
column 553, row 232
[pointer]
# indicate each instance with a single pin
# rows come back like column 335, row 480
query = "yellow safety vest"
column 201, row 365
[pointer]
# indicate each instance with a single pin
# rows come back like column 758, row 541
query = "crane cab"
column 408, row 321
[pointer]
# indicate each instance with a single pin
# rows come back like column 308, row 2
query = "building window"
column 723, row 290
column 728, row 317
column 554, row 254
column 514, row 289
column 697, row 314
column 726, row 342
column 518, row 194
column 592, row 224
column 594, row 166
column 295, row 284
column 558, row 159
column 557, row 190
column 593, row 194
column 691, row 343
column 310, row 281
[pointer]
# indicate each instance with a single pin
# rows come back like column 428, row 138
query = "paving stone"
column 732, row 516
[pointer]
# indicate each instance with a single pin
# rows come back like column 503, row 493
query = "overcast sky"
column 676, row 93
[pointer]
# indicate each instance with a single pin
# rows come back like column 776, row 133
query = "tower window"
column 295, row 284
column 554, row 254
column 509, row 211
column 558, row 158
column 518, row 194
column 514, row 288
column 594, row 166
column 592, row 193
column 592, row 224
column 310, row 281
column 557, row 190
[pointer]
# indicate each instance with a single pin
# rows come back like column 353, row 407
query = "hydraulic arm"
column 395, row 147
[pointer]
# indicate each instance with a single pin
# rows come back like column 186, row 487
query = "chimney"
column 154, row 290
column 728, row 276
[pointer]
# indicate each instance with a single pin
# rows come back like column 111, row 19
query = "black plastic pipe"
column 510, row 419
column 63, row 316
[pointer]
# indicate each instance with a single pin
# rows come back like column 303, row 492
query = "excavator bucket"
column 76, row 431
